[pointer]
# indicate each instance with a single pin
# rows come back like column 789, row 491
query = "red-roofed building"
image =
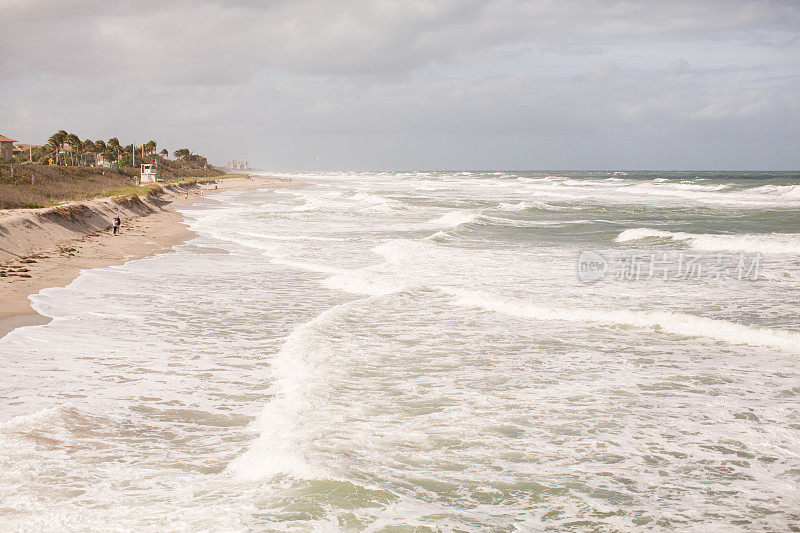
column 6, row 148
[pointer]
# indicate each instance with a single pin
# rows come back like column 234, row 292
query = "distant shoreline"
column 42, row 248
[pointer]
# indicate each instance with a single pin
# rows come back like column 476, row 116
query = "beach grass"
column 38, row 186
column 137, row 191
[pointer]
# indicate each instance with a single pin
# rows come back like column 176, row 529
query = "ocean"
column 425, row 351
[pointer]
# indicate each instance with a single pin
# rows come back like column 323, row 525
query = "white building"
column 149, row 173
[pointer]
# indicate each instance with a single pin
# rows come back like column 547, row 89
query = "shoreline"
column 151, row 228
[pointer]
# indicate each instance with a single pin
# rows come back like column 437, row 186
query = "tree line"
column 64, row 148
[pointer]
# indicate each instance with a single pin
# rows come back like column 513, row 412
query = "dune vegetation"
column 67, row 168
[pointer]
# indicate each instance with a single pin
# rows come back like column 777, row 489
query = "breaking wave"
column 671, row 322
column 768, row 243
column 455, row 218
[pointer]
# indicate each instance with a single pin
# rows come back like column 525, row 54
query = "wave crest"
column 767, row 243
column 671, row 322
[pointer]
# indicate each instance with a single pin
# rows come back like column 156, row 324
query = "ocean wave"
column 51, row 427
column 525, row 205
column 365, row 282
column 778, row 191
column 520, row 206
column 439, row 236
column 659, row 190
column 768, row 243
column 284, row 426
column 338, row 201
column 518, row 223
column 455, row 218
column 376, row 201
column 555, row 180
column 671, row 322
column 691, row 186
column 47, row 417
column 635, row 234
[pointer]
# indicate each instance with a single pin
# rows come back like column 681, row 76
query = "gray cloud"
column 415, row 83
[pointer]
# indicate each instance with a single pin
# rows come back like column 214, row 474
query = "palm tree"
column 164, row 152
column 88, row 147
column 56, row 142
column 113, row 144
column 63, row 136
column 128, row 151
column 150, row 147
column 74, row 143
column 53, row 144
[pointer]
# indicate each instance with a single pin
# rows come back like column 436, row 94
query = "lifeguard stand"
column 149, row 173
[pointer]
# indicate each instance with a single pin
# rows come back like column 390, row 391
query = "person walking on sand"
column 117, row 223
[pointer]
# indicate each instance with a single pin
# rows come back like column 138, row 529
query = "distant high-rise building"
column 237, row 165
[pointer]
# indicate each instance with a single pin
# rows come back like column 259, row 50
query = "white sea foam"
column 47, row 418
column 269, row 237
column 524, row 205
column 660, row 190
column 439, row 236
column 670, row 322
column 635, row 234
column 375, row 200
column 409, row 390
column 769, row 243
column 283, row 425
column 405, row 251
column 365, row 282
column 519, row 206
column 305, row 265
column 789, row 192
column 455, row 218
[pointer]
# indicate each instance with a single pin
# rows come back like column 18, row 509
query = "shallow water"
column 377, row 350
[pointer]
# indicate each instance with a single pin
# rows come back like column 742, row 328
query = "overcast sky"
column 405, row 84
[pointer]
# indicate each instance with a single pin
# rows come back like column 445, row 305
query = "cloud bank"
column 414, row 84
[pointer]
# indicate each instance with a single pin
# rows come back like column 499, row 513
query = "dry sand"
column 40, row 248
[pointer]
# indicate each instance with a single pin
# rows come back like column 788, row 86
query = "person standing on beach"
column 117, row 223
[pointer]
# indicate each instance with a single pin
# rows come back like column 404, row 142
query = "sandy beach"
column 37, row 253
